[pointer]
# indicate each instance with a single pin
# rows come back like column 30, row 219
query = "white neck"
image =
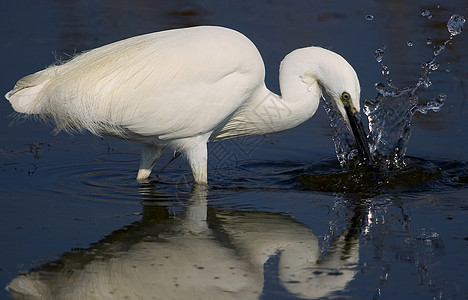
column 274, row 113
column 303, row 74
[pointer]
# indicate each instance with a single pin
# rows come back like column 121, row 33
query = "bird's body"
column 181, row 88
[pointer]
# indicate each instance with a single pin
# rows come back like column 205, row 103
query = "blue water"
column 71, row 203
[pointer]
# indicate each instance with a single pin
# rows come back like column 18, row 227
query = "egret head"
column 321, row 70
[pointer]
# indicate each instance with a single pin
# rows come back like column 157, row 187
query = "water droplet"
column 385, row 71
column 379, row 55
column 430, row 66
column 447, row 68
column 455, row 25
column 382, row 89
column 369, row 17
column 428, row 41
column 379, row 86
column 409, row 43
column 441, row 48
column 434, row 105
column 426, row 13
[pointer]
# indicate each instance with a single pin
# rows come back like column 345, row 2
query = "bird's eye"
column 345, row 96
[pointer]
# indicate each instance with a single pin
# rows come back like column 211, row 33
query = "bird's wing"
column 169, row 85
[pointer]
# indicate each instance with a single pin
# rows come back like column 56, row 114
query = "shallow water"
column 71, row 205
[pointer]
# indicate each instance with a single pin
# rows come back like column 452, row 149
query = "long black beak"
column 359, row 134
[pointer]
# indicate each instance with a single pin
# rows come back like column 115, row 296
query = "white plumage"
column 182, row 88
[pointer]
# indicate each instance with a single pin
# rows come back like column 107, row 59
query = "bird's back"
column 165, row 85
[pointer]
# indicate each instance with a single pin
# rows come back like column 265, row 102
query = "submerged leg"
column 149, row 156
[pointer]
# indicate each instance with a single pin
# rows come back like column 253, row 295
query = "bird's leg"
column 197, row 158
column 149, row 156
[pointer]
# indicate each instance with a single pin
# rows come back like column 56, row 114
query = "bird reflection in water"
column 202, row 253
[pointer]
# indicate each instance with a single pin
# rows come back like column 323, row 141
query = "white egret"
column 182, row 88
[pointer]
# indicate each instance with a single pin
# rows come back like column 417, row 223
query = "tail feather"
column 26, row 91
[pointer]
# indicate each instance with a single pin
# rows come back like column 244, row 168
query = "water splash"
column 390, row 114
column 345, row 149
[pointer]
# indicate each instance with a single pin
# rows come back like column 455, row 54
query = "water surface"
column 70, row 205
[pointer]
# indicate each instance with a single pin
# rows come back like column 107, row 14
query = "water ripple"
column 110, row 178
column 418, row 176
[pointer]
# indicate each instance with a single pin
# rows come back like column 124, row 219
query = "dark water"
column 73, row 215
